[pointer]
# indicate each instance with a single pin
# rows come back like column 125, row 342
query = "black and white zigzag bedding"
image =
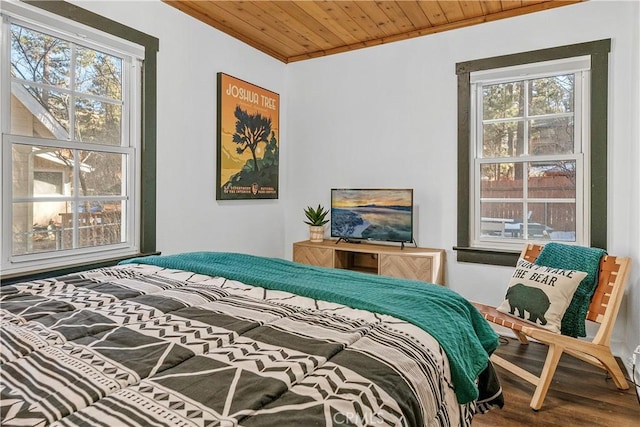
column 139, row 345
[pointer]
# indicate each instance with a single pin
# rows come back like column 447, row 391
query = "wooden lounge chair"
column 603, row 310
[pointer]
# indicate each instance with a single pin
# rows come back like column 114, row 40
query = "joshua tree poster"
column 248, row 140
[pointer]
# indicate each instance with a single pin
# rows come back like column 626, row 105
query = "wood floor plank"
column 580, row 394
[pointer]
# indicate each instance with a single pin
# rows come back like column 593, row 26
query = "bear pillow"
column 540, row 294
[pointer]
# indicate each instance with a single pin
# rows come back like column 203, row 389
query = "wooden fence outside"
column 556, row 215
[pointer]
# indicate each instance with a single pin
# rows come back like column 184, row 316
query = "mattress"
column 149, row 345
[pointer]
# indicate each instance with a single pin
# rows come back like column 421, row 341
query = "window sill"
column 486, row 256
column 42, row 274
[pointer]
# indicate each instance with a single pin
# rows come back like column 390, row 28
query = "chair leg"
column 548, row 370
column 601, row 357
column 521, row 337
column 614, row 370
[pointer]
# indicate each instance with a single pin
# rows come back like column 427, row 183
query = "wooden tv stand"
column 423, row 264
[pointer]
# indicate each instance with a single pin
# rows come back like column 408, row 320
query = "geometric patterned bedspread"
column 139, row 345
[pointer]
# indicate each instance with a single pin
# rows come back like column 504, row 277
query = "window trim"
column 147, row 205
column 599, row 53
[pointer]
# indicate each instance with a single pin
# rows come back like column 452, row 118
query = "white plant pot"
column 316, row 233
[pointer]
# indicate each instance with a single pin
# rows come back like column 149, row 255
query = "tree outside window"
column 522, row 121
column 72, row 95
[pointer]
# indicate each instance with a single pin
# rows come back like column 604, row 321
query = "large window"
column 72, row 157
column 527, row 167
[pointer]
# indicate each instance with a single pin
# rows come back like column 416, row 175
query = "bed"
column 226, row 339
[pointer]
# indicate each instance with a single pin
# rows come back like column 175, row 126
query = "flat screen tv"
column 380, row 214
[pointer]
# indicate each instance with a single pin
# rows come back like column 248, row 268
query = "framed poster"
column 248, row 140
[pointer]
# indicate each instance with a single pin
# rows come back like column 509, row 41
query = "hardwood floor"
column 580, row 394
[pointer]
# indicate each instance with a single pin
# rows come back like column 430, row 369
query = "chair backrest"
column 607, row 297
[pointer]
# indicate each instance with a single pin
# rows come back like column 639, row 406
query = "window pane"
column 501, row 181
column 29, row 164
column 97, row 121
column 99, row 223
column 553, row 220
column 39, row 112
column 100, row 173
column 104, row 177
column 500, row 219
column 537, row 222
column 49, row 226
column 555, row 180
column 503, row 100
column 551, row 95
column 98, row 73
column 40, row 171
column 40, row 58
column 523, row 218
column 551, row 136
column 109, row 223
column 48, row 183
column 504, row 139
column 28, row 160
column 34, row 227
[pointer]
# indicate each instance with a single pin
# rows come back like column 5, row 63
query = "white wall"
column 381, row 116
column 633, row 296
column 191, row 53
column 386, row 116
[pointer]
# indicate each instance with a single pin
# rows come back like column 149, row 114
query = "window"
column 72, row 157
column 531, row 129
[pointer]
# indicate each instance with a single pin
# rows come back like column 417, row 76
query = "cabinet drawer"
column 406, row 266
column 321, row 257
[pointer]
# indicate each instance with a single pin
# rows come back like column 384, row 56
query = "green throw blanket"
column 569, row 257
column 463, row 333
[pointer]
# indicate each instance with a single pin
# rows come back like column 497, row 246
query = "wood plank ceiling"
column 297, row 30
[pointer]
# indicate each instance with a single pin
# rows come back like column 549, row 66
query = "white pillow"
column 540, row 294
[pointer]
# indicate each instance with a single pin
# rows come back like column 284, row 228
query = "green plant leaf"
column 316, row 217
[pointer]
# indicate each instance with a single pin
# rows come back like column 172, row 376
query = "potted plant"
column 316, row 220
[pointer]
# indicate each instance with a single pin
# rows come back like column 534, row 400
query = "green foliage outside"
column 549, row 106
column 83, row 89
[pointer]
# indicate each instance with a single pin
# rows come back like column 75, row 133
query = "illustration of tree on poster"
column 248, row 140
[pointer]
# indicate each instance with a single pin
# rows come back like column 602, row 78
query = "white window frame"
column 580, row 68
column 133, row 56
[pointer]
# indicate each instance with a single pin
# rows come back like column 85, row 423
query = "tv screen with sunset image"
column 372, row 214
